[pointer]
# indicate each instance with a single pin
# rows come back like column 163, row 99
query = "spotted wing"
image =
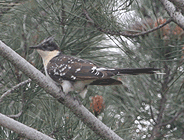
column 70, row 68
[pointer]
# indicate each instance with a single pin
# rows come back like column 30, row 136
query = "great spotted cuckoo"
column 75, row 74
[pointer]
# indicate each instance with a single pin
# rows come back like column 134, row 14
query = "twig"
column 123, row 33
column 163, row 94
column 13, row 88
column 16, row 115
column 156, row 128
column 8, row 6
column 173, row 119
column 54, row 131
column 152, row 115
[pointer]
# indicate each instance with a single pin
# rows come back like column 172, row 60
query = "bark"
column 174, row 13
column 22, row 129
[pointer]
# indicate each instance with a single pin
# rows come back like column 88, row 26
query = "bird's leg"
column 82, row 94
column 61, row 89
column 61, row 99
column 78, row 99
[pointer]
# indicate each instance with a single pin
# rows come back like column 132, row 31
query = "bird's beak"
column 35, row 47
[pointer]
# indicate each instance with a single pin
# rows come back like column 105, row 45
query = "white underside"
column 78, row 86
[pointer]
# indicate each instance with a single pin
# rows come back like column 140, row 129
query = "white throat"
column 47, row 56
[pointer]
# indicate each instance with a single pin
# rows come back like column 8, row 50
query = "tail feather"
column 106, row 81
column 137, row 71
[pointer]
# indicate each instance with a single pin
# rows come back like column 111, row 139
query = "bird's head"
column 46, row 47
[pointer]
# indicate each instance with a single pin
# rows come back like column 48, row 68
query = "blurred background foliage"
column 144, row 107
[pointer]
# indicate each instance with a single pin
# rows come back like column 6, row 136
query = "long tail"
column 106, row 80
column 137, row 71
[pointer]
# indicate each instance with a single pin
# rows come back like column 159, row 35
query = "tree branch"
column 179, row 4
column 14, row 88
column 49, row 86
column 152, row 115
column 174, row 13
column 22, row 129
column 16, row 115
column 155, row 132
column 164, row 91
column 173, row 119
column 124, row 33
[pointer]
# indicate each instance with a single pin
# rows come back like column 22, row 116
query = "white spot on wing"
column 56, row 73
column 56, row 65
column 73, row 77
column 97, row 73
column 64, row 68
column 101, row 69
column 77, row 70
column 93, row 69
column 61, row 65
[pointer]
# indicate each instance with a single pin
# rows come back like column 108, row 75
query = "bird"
column 76, row 74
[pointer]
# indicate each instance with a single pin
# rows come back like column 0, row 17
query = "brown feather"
column 67, row 67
